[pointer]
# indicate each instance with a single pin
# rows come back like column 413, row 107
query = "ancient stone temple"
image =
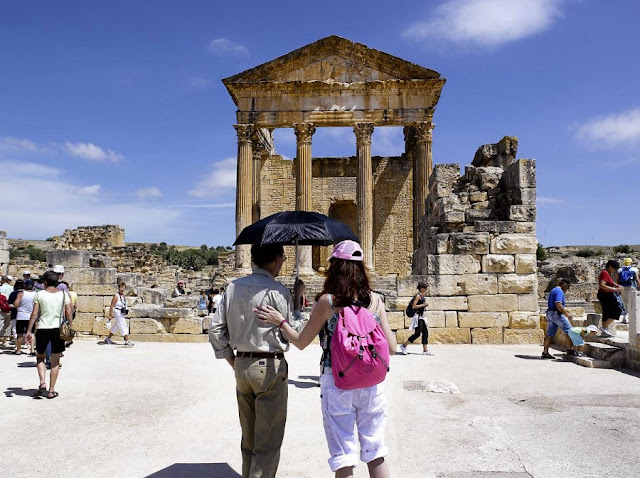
column 335, row 82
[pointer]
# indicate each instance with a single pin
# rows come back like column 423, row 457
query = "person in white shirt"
column 217, row 297
column 629, row 280
column 6, row 289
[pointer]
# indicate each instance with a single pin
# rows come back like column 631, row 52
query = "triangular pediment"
column 333, row 59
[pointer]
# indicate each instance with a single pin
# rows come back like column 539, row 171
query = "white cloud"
column 88, row 190
column 224, row 46
column 618, row 129
column 487, row 22
column 544, row 201
column 144, row 193
column 387, row 141
column 18, row 144
column 92, row 152
column 221, row 179
column 199, row 83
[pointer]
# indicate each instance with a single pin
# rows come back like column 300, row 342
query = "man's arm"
column 219, row 334
column 562, row 310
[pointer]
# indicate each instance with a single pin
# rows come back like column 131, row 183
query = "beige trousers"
column 261, row 389
column 629, row 298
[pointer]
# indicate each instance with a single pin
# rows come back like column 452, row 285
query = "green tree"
column 541, row 253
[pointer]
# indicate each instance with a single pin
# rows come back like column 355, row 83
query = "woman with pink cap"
column 344, row 411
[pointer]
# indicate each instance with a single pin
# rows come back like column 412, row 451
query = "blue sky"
column 114, row 112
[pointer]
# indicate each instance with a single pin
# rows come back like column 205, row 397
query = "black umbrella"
column 291, row 228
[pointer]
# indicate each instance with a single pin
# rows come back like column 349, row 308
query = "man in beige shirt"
column 259, row 364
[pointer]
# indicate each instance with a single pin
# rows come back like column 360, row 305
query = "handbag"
column 66, row 332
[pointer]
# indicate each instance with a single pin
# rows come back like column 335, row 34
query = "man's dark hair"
column 216, row 291
column 564, row 280
column 263, row 255
column 19, row 285
column 50, row 278
column 612, row 263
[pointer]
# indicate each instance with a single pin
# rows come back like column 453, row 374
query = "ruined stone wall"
column 4, row 253
column 91, row 238
column 477, row 250
column 334, row 194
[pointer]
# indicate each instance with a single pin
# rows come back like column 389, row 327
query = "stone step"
column 591, row 362
column 601, row 351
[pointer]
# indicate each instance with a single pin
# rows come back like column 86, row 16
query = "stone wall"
column 91, row 238
column 477, row 250
column 4, row 253
column 334, row 194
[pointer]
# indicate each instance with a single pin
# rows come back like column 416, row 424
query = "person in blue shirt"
column 557, row 316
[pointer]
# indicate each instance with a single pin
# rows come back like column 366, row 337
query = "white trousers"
column 629, row 298
column 342, row 412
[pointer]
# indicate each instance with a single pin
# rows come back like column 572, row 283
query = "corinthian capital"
column 304, row 132
column 424, row 131
column 244, row 132
column 363, row 132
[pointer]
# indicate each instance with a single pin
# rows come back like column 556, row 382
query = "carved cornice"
column 304, row 132
column 424, row 131
column 244, row 132
column 363, row 132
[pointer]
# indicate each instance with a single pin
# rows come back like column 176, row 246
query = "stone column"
column 422, row 167
column 364, row 192
column 410, row 154
column 262, row 142
column 244, row 193
column 634, row 318
column 304, row 189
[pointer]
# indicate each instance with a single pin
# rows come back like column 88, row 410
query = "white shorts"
column 342, row 410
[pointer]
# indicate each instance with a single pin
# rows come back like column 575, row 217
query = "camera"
column 124, row 311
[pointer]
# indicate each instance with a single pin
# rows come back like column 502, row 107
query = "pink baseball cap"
column 347, row 250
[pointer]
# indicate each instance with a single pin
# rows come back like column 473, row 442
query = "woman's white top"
column 26, row 305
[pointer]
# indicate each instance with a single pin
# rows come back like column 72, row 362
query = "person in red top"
column 606, row 295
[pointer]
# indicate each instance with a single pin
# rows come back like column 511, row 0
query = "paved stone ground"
column 168, row 410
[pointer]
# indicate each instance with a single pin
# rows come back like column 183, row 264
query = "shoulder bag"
column 66, row 333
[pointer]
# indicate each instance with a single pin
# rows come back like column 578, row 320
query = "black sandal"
column 51, row 395
column 547, row 355
column 41, row 391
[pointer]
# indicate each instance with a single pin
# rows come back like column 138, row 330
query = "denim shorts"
column 554, row 320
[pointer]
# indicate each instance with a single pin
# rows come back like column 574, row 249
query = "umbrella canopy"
column 290, row 228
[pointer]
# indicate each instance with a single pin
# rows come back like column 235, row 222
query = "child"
column 577, row 336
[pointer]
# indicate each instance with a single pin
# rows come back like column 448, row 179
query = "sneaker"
column 403, row 349
column 108, row 341
column 427, row 352
column 129, row 343
column 580, row 354
column 571, row 352
column 604, row 332
column 625, row 321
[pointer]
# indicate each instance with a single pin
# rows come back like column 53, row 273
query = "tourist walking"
column 118, row 311
column 557, row 316
column 352, row 415
column 18, row 287
column 259, row 363
column 24, row 307
column 6, row 289
column 418, row 322
column 215, row 300
column 629, row 280
column 607, row 291
column 202, row 302
column 52, row 306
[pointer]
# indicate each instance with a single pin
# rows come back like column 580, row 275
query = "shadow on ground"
column 312, row 381
column 19, row 391
column 194, row 470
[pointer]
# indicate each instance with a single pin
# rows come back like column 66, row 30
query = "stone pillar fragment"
column 423, row 165
column 244, row 193
column 409, row 151
column 304, row 193
column 364, row 192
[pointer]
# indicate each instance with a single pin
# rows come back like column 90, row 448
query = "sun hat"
column 347, row 250
column 627, row 261
column 10, row 278
column 25, row 272
column 180, row 283
column 58, row 269
column 592, row 328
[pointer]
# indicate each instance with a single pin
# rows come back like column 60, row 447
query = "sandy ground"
column 168, row 410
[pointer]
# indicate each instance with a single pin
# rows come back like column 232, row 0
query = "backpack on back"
column 359, row 350
column 626, row 276
column 410, row 311
column 4, row 304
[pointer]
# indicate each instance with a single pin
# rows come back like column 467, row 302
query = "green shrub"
column 34, row 253
column 190, row 259
column 541, row 253
column 588, row 253
column 623, row 249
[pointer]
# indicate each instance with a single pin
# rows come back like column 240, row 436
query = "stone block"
column 157, row 312
column 525, row 227
column 523, row 196
column 501, row 227
column 182, row 301
column 397, row 303
column 524, row 320
column 4, row 257
column 450, row 336
column 105, row 275
column 91, row 303
column 192, row 325
column 517, row 284
column 483, row 319
column 520, row 174
column 477, row 196
column 442, row 244
column 454, row 217
column 403, row 334
column 407, row 285
column 523, row 336
column 493, row 303
column 493, row 335
column 84, row 322
column 145, row 337
column 464, row 284
column 153, row 295
column 522, row 213
column 435, row 318
column 528, row 302
column 447, row 303
column 473, row 215
column 95, row 289
column 450, row 318
column 146, row 326
column 447, row 264
column 526, row 264
column 447, row 174
column 396, row 320
column 206, row 323
column 514, row 244
column 186, row 338
column 498, row 263
column 99, row 327
column 489, row 177
column 473, row 243
column 576, row 311
column 69, row 259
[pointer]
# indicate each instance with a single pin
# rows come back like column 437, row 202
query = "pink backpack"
column 359, row 350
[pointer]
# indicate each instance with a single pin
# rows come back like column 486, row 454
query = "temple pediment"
column 333, row 59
